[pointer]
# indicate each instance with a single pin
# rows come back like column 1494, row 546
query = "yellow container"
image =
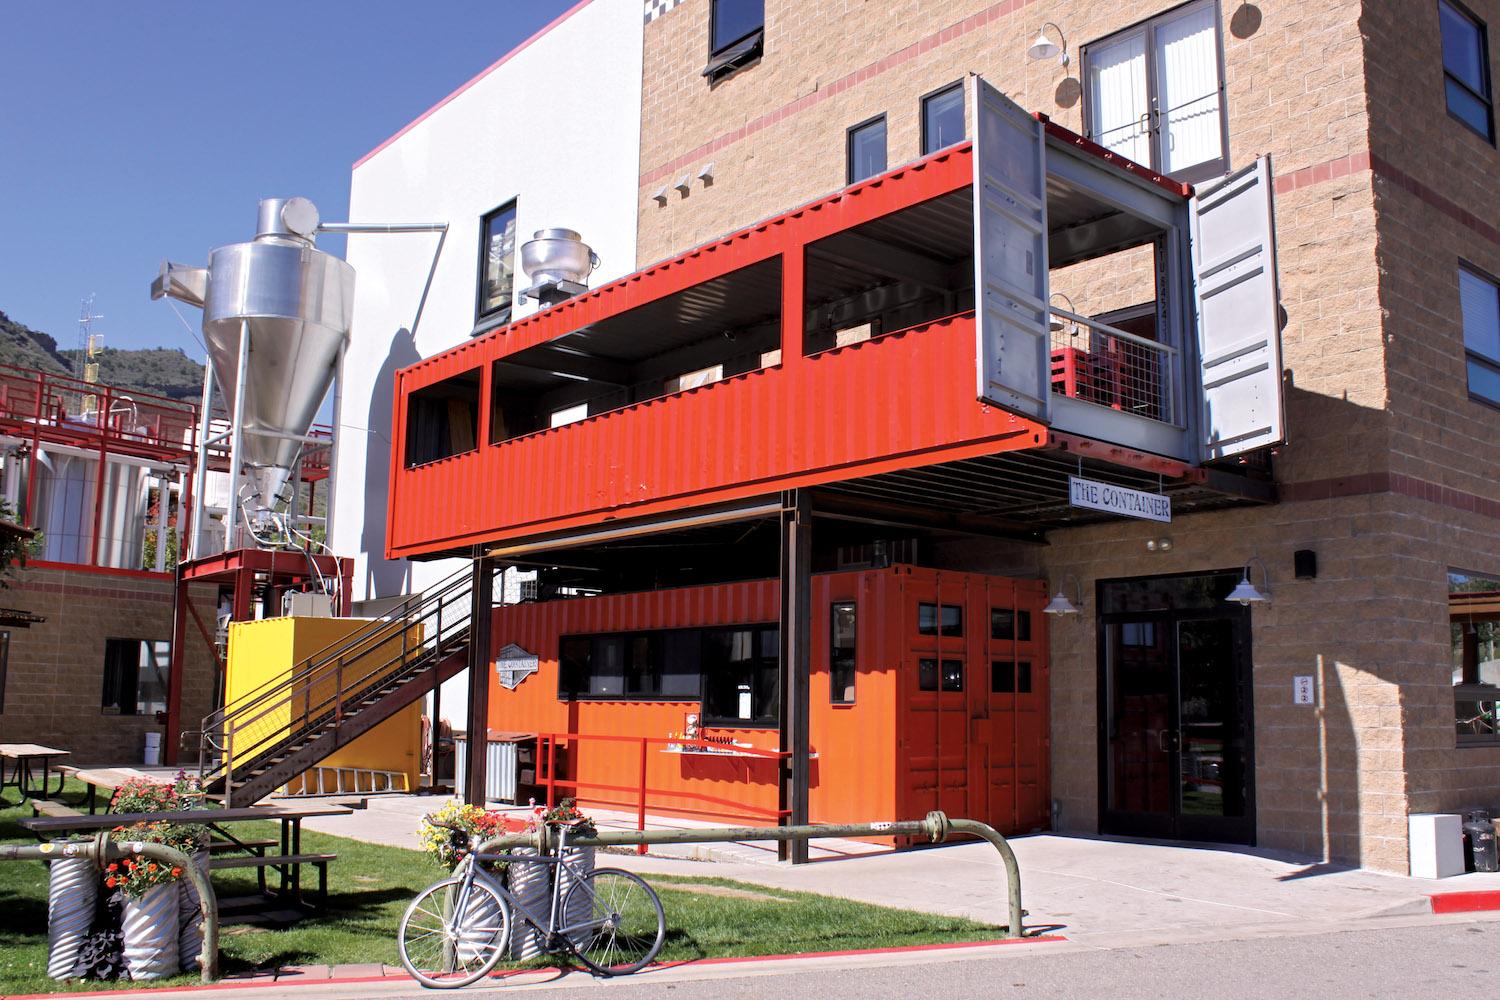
column 263, row 654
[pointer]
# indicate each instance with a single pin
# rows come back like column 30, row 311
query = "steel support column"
column 173, row 738
column 796, row 665
column 481, row 617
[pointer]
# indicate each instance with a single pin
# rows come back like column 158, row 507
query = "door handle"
column 1167, row 740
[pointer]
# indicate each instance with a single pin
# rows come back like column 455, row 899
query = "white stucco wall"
column 554, row 125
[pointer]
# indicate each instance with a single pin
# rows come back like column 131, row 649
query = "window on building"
column 736, row 35
column 1010, row 677
column 741, row 675
column 841, row 654
column 951, row 676
column 1009, row 623
column 1155, row 93
column 866, row 144
column 951, row 620
column 442, row 419
column 1479, row 300
column 1474, row 628
column 943, row 118
column 1466, row 69
column 136, row 672
column 497, row 264
column 631, row 666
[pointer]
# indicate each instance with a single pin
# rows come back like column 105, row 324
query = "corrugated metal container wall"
column 872, row 761
column 904, row 399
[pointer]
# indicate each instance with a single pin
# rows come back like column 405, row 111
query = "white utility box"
column 1437, row 844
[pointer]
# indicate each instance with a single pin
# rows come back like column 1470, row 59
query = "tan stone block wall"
column 55, row 673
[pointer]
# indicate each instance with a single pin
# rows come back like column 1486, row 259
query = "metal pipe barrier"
column 936, row 827
column 101, row 850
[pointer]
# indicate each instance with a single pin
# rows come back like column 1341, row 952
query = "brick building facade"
column 1380, row 196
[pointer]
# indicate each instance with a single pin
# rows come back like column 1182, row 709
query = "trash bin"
column 1483, row 854
column 152, row 755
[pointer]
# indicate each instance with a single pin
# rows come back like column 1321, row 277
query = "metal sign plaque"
column 1120, row 500
column 514, row 665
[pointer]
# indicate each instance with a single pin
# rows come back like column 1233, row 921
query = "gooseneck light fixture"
column 1045, row 48
column 1060, row 605
column 1244, row 592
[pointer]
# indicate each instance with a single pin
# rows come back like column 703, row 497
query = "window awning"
column 735, row 56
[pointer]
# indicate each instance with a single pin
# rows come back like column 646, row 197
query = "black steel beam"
column 796, row 665
column 481, row 603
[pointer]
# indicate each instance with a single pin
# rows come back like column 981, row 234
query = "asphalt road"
column 1433, row 960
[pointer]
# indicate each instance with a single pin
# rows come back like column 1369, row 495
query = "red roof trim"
column 1114, row 159
column 479, row 76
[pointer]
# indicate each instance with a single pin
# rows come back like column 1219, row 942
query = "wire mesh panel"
column 1096, row 363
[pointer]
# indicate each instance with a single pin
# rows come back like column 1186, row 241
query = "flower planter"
column 531, row 885
column 151, row 928
column 72, row 893
column 189, row 920
column 581, row 860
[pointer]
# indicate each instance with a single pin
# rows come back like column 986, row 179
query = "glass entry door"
column 1175, row 713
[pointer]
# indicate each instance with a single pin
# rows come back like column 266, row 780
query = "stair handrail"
column 272, row 695
column 304, row 686
column 399, row 613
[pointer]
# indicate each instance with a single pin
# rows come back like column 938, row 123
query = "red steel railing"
column 547, row 744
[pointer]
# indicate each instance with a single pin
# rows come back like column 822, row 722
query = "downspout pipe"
column 101, row 850
column 936, row 827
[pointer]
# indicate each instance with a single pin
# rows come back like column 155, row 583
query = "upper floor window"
column 943, row 118
column 1155, row 93
column 1479, row 298
column 1466, row 69
column 497, row 263
column 736, row 31
column 867, row 149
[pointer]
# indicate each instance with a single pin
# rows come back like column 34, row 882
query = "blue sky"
column 130, row 132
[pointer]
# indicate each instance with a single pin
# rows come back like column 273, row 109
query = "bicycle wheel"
column 444, row 955
column 616, row 922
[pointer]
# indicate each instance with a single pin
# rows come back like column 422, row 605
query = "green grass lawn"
column 370, row 886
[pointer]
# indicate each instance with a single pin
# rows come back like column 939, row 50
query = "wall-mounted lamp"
column 706, row 174
column 1244, row 592
column 1060, row 605
column 1058, row 323
column 1159, row 544
column 660, row 195
column 684, row 183
column 1045, row 48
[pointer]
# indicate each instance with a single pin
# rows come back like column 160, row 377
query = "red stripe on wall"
column 1395, row 175
column 1384, row 482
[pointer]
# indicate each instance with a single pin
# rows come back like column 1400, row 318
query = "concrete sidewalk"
column 1091, row 889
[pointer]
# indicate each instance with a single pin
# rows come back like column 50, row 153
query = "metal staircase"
column 276, row 732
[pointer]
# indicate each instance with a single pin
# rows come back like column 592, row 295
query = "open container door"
column 1239, row 328
column 1010, row 255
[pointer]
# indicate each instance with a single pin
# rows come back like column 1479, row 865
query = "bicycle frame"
column 474, row 870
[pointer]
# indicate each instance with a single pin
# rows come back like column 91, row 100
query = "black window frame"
column 573, row 678
column 726, row 58
column 121, row 676
column 939, row 665
column 757, row 630
column 1019, row 670
column 501, row 314
column 957, row 632
column 847, row 664
column 926, row 101
column 849, row 135
column 1472, row 357
column 1020, row 625
column 1488, row 97
column 1198, row 172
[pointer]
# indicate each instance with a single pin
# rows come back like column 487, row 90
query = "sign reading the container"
column 1118, row 499
column 514, row 665
column 1302, row 690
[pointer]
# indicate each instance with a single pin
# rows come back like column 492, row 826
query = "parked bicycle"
column 458, row 928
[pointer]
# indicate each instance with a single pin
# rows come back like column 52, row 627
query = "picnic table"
column 288, row 862
column 24, row 757
column 108, row 778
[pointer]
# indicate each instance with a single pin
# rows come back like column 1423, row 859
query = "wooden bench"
column 52, row 807
column 260, row 862
column 253, row 846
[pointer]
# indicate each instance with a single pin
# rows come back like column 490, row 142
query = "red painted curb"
column 1475, row 901
column 746, row 959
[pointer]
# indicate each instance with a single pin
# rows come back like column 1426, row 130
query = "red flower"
column 176, row 872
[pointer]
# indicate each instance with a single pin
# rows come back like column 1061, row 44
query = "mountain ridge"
column 163, row 371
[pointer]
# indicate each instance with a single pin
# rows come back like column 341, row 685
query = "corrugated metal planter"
column 150, row 927
column 531, row 885
column 579, row 860
column 72, row 894
column 482, row 915
column 190, row 924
